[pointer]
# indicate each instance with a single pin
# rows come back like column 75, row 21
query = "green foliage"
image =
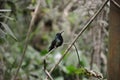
column 8, row 30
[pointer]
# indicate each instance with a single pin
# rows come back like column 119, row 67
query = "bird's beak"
column 61, row 32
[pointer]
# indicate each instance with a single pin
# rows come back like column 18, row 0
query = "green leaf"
column 2, row 36
column 8, row 30
column 80, row 71
column 71, row 69
column 43, row 52
column 10, row 18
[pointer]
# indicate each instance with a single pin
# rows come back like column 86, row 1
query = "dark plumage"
column 57, row 41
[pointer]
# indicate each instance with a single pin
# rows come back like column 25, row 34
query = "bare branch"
column 27, row 38
column 5, row 10
column 47, row 73
column 91, row 73
column 49, row 53
column 77, row 54
column 79, row 34
column 116, row 3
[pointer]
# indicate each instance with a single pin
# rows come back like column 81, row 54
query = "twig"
column 49, row 53
column 79, row 65
column 77, row 55
column 27, row 38
column 10, row 18
column 116, row 3
column 47, row 73
column 91, row 73
column 5, row 10
column 79, row 34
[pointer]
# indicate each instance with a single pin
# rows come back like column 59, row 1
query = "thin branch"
column 116, row 3
column 5, row 10
column 79, row 34
column 77, row 55
column 47, row 73
column 91, row 73
column 48, row 53
column 79, row 65
column 27, row 38
column 44, row 63
column 10, row 18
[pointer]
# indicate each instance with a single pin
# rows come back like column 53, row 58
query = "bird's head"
column 58, row 34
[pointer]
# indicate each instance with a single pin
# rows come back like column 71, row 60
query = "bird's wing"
column 52, row 45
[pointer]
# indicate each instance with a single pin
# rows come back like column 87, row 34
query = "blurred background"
column 54, row 16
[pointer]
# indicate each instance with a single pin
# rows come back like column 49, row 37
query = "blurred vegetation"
column 54, row 16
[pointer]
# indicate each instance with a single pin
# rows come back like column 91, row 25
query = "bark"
column 114, row 42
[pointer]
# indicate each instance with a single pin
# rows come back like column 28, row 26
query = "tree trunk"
column 114, row 42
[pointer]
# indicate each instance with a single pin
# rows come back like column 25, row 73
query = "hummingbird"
column 58, row 41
